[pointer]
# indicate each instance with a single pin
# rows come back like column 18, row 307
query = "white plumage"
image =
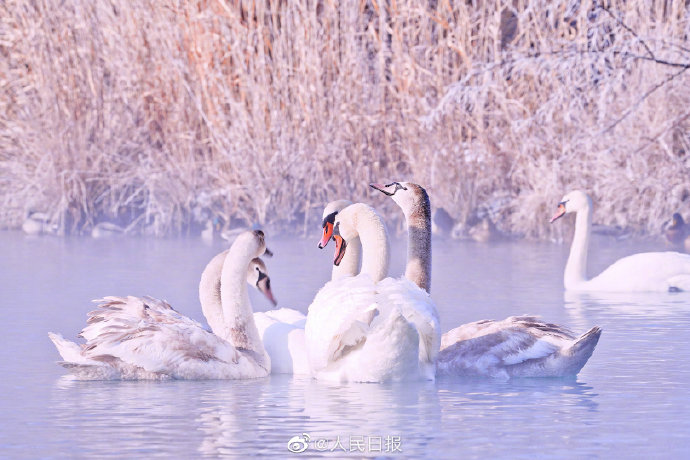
column 648, row 271
column 365, row 328
column 144, row 338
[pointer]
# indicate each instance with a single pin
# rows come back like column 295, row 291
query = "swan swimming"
column 355, row 331
column 519, row 346
column 134, row 338
column 413, row 289
column 647, row 271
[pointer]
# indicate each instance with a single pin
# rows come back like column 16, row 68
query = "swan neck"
column 418, row 268
column 375, row 245
column 349, row 266
column 576, row 267
column 209, row 294
column 239, row 328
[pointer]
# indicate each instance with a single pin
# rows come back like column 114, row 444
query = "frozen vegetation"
column 160, row 116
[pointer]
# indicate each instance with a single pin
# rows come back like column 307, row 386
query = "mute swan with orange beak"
column 356, row 329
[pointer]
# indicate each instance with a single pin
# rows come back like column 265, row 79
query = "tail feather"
column 581, row 350
column 70, row 351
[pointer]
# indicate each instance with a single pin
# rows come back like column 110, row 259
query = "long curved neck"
column 349, row 266
column 209, row 294
column 418, row 269
column 239, row 327
column 576, row 267
column 374, row 238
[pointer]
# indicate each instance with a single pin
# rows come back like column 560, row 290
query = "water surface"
column 631, row 399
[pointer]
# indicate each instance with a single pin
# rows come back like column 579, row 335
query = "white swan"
column 356, row 330
column 516, row 346
column 144, row 338
column 412, row 291
column 282, row 330
column 648, row 271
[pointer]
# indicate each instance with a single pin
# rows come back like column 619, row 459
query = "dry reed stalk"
column 170, row 112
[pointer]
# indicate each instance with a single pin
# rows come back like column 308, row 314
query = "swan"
column 134, row 338
column 355, row 329
column 282, row 330
column 648, row 271
column 517, row 346
column 211, row 229
column 413, row 289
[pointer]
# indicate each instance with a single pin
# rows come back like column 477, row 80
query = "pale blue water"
column 631, row 400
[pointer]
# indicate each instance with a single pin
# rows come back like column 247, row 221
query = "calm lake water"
column 631, row 400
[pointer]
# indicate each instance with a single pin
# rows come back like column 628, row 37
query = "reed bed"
column 163, row 114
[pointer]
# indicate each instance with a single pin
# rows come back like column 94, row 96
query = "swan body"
column 648, row 271
column 351, row 338
column 282, row 332
column 519, row 346
column 144, row 338
column 357, row 329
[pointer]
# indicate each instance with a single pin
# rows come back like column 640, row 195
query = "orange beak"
column 327, row 233
column 340, row 246
column 559, row 213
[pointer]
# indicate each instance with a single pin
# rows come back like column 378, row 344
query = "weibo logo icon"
column 298, row 444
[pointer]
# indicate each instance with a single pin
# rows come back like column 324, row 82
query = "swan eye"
column 329, row 219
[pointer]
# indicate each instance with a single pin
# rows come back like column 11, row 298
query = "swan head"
column 574, row 201
column 409, row 196
column 255, row 243
column 329, row 212
column 345, row 229
column 257, row 275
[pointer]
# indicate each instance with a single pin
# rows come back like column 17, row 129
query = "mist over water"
column 630, row 399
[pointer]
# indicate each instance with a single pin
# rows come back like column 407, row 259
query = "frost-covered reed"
column 167, row 113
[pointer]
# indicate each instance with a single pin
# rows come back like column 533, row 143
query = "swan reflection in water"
column 288, row 406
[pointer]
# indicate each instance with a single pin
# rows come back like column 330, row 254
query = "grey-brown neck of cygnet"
column 418, row 219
